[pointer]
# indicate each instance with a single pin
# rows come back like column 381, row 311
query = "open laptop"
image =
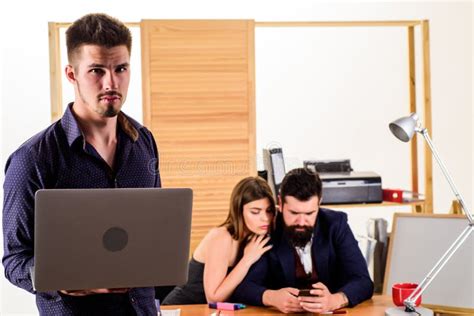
column 111, row 238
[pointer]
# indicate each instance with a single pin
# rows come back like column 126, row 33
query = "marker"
column 340, row 311
column 226, row 306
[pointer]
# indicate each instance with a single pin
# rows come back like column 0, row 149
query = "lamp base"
column 400, row 311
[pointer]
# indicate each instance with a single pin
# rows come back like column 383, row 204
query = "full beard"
column 298, row 238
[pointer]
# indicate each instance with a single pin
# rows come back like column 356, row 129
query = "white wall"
column 303, row 91
column 1, row 158
column 472, row 98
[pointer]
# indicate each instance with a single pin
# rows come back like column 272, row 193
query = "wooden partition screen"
column 199, row 102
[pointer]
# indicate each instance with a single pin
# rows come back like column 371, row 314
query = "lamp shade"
column 404, row 127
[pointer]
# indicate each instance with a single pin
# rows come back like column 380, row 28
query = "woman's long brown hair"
column 247, row 190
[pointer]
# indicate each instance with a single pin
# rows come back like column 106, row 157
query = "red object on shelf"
column 393, row 195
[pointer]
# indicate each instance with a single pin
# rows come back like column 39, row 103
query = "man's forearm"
column 17, row 271
column 341, row 300
column 267, row 298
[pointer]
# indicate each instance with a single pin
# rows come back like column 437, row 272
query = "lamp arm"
column 410, row 301
column 466, row 210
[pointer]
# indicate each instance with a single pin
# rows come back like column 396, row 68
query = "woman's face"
column 258, row 216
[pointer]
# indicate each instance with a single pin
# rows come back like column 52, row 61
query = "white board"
column 417, row 243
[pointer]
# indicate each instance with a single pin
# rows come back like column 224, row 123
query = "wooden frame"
column 427, row 205
column 410, row 23
column 437, row 308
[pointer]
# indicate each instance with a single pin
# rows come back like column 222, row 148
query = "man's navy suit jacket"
column 336, row 255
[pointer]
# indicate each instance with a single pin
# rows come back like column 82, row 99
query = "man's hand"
column 285, row 300
column 93, row 291
column 323, row 301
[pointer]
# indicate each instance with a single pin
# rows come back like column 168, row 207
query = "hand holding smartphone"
column 305, row 292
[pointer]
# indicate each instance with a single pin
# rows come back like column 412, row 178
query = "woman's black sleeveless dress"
column 193, row 291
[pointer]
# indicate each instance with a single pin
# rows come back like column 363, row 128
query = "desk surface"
column 373, row 307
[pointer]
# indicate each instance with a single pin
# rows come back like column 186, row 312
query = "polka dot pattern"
column 59, row 157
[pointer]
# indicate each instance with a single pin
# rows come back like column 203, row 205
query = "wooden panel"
column 199, row 103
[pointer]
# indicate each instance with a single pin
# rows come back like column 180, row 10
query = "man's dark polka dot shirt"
column 59, row 157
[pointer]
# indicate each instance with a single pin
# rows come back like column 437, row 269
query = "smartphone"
column 305, row 292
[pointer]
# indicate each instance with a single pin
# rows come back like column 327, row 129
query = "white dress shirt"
column 305, row 256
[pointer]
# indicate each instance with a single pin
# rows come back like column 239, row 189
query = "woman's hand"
column 255, row 248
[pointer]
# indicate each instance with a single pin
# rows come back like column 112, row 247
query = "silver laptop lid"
column 111, row 238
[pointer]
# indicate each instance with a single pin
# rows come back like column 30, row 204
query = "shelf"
column 383, row 204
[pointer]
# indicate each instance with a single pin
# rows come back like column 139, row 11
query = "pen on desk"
column 336, row 312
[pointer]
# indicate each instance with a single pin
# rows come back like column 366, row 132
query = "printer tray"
column 354, row 188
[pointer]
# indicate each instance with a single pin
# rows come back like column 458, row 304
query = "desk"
column 373, row 307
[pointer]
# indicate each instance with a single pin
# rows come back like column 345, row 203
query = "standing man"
column 94, row 145
column 313, row 248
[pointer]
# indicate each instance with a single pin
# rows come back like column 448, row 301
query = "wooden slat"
column 425, row 33
column 55, row 72
column 412, row 91
column 200, row 103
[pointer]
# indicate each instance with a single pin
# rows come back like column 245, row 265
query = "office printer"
column 341, row 185
column 351, row 187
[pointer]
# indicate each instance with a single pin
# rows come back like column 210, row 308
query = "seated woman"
column 223, row 258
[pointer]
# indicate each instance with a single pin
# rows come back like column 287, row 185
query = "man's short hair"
column 302, row 184
column 96, row 29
